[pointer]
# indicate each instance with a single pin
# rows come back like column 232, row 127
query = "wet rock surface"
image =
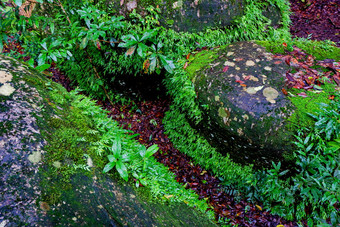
column 195, row 15
column 21, row 147
column 91, row 199
column 247, row 110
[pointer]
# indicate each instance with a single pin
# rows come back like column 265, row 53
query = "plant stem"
column 62, row 7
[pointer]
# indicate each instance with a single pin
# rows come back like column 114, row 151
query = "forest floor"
column 316, row 19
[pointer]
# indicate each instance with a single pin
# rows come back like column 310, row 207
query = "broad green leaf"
column 148, row 35
column 40, row 1
column 117, row 147
column 112, row 158
column 54, row 58
column 153, row 63
column 41, row 59
column 151, row 150
column 31, row 62
column 52, row 28
column 108, row 167
column 44, row 45
column 43, row 67
column 121, row 168
column 69, row 53
column 142, row 151
column 84, row 42
column 18, row 2
column 142, row 49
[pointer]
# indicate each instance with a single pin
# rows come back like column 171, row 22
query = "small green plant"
column 117, row 159
column 120, row 160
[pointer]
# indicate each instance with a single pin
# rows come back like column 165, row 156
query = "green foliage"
column 312, row 192
column 319, row 49
column 189, row 142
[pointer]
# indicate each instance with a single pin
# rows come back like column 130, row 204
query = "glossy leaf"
column 121, row 168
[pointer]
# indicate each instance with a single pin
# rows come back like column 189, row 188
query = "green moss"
column 310, row 104
column 200, row 60
column 319, row 49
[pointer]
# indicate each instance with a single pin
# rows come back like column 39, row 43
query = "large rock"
column 30, row 194
column 195, row 15
column 248, row 114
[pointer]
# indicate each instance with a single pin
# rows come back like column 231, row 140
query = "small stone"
column 57, row 164
column 5, row 77
column 271, row 94
column 253, row 78
column 229, row 63
column 253, row 90
column 6, row 89
column 268, row 68
column 35, row 157
column 250, row 63
column 229, row 54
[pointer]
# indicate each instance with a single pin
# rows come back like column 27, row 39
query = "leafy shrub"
column 312, row 192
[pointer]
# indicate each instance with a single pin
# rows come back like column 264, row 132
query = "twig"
column 62, row 7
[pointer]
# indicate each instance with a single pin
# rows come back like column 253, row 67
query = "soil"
column 318, row 19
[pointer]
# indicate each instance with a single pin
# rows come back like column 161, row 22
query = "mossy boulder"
column 38, row 181
column 246, row 113
column 196, row 15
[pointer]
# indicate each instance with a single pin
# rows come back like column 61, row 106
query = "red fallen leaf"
column 277, row 62
column 98, row 45
column 284, row 91
column 225, row 69
column 225, row 213
column 185, row 65
column 289, row 77
column 239, row 81
column 188, row 56
column 246, row 77
column 130, row 51
column 284, row 44
column 331, row 97
column 310, row 60
column 298, row 86
column 293, row 62
column 243, row 85
column 238, row 59
column 302, row 94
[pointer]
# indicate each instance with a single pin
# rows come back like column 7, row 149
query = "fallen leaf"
column 225, row 69
column 185, row 65
column 284, row 91
column 188, row 56
column 239, row 81
column 302, row 94
column 258, row 207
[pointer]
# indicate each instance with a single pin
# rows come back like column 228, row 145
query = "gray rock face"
column 247, row 110
column 91, row 199
column 195, row 15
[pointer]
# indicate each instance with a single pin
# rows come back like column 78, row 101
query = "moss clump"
column 319, row 49
column 200, row 60
column 310, row 104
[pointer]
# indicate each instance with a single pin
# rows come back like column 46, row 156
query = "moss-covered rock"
column 196, row 15
column 45, row 147
column 247, row 115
